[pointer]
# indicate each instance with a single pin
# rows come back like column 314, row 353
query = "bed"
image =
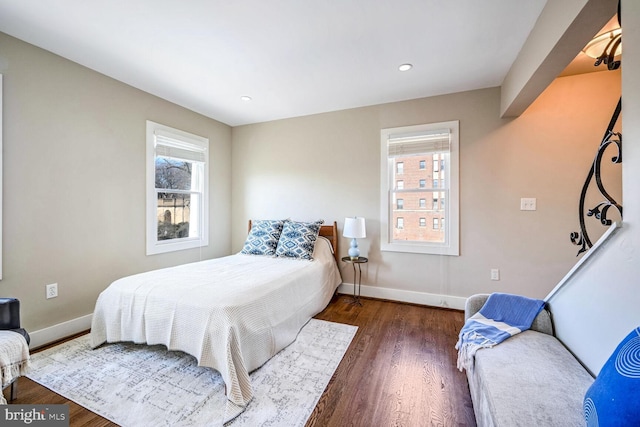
column 232, row 313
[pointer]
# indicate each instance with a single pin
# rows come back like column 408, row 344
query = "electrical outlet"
column 528, row 204
column 495, row 274
column 52, row 290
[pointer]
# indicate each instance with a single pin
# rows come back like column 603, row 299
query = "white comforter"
column 232, row 314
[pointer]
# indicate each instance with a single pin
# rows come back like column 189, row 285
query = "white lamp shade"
column 354, row 228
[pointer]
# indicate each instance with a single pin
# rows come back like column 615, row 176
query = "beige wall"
column 74, row 182
column 327, row 166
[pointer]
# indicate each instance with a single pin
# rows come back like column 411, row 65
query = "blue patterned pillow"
column 263, row 237
column 298, row 239
column 613, row 398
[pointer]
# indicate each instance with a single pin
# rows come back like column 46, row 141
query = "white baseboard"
column 60, row 331
column 423, row 298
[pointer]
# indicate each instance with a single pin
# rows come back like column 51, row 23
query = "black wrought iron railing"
column 601, row 210
column 611, row 138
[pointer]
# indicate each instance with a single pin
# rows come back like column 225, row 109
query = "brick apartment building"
column 418, row 205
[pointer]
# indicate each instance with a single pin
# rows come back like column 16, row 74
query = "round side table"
column 357, row 275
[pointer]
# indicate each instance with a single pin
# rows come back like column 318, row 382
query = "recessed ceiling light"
column 245, row 98
column 405, row 67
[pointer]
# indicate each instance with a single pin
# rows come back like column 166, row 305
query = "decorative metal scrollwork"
column 609, row 53
column 601, row 210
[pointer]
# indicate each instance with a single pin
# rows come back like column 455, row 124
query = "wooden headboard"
column 331, row 233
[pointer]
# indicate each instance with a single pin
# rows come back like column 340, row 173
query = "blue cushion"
column 298, row 239
column 614, row 397
column 263, row 237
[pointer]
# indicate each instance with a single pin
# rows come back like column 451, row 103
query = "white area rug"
column 137, row 385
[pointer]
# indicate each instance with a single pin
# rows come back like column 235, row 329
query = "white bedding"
column 232, row 314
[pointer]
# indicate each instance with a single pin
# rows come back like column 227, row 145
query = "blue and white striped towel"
column 502, row 316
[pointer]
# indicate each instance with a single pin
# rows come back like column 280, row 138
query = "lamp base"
column 354, row 251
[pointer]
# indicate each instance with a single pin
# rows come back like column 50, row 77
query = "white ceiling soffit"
column 563, row 28
column 292, row 57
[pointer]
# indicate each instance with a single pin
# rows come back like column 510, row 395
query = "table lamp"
column 354, row 228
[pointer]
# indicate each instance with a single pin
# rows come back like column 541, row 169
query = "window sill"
column 420, row 248
column 161, row 248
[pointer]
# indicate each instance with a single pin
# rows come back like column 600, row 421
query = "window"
column 423, row 164
column 400, row 185
column 423, row 222
column 400, row 223
column 177, row 189
column 437, row 144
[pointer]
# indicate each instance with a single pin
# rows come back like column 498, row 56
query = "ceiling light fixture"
column 405, row 67
column 245, row 98
column 604, row 47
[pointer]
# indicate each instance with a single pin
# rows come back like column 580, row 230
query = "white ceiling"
column 293, row 57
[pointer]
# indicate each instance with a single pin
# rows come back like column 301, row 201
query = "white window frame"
column 451, row 244
column 199, row 146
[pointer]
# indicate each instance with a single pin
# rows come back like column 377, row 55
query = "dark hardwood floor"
column 400, row 370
